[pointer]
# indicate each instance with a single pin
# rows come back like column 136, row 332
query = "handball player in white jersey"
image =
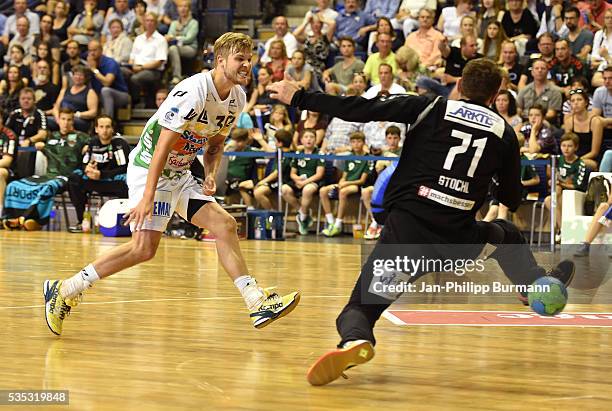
column 197, row 114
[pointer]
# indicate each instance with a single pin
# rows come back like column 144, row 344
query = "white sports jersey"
column 194, row 109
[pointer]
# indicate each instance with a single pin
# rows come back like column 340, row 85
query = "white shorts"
column 171, row 195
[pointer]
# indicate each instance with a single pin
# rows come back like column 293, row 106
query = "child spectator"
column 537, row 134
column 306, row 175
column 8, row 151
column 353, row 178
column 601, row 219
column 240, row 169
column 269, row 185
column 571, row 173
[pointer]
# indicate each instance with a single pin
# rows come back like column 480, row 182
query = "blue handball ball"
column 550, row 302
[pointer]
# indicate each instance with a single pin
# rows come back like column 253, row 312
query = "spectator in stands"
column 86, row 25
column 140, row 10
column 21, row 10
column 408, row 17
column 359, row 83
column 278, row 60
column 302, row 73
column 157, row 7
column 306, row 177
column 241, row 170
column 313, row 121
column 120, row 11
column 426, row 40
column 17, row 54
column 546, row 48
column 602, row 43
column 45, row 91
column 410, row 68
column 31, row 203
column 595, row 11
column 381, row 8
column 43, row 54
column 378, row 133
column 339, row 77
column 47, row 35
column 171, row 12
column 450, row 19
column 321, row 14
column 23, row 38
column 8, row 151
column 160, row 96
column 107, row 79
column 10, row 89
column 353, row 22
column 509, row 61
column 384, row 55
column 519, row 24
column 602, row 98
column 383, row 25
column 353, row 179
column 580, row 40
column 386, row 84
column 279, row 120
column 149, row 54
column 494, row 38
column 540, row 92
column 281, row 32
column 61, row 21
column 582, row 84
column 260, row 102
column 269, row 184
column 28, row 122
column 505, row 105
column 467, row 27
column 118, row 45
column 182, row 40
column 103, row 169
column 338, row 132
column 601, row 219
column 571, row 174
column 587, row 126
column 537, row 134
column 74, row 59
column 564, row 67
column 81, row 99
column 317, row 47
column 456, row 59
column 491, row 11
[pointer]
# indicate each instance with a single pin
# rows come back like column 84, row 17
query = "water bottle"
column 259, row 227
column 86, row 224
column 52, row 222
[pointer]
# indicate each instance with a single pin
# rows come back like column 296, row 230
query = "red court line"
column 496, row 318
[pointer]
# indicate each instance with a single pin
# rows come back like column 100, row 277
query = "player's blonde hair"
column 232, row 43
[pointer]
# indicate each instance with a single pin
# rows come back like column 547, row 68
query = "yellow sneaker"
column 332, row 365
column 56, row 307
column 274, row 307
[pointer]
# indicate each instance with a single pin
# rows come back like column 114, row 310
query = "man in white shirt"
column 148, row 57
column 281, row 30
column 386, row 85
column 21, row 9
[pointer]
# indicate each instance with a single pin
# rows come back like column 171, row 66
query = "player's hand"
column 139, row 214
column 283, row 90
column 209, row 187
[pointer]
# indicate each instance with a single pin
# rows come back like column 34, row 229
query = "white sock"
column 330, row 218
column 252, row 294
column 374, row 224
column 79, row 282
column 338, row 222
column 303, row 215
column 351, row 343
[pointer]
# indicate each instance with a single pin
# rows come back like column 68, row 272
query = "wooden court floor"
column 174, row 334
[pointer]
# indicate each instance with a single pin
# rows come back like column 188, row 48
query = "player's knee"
column 143, row 252
column 603, row 207
column 228, row 225
column 511, row 233
column 3, row 173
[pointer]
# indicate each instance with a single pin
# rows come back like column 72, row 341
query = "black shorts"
column 380, row 217
column 298, row 191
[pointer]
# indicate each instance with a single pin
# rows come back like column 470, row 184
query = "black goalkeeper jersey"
column 451, row 152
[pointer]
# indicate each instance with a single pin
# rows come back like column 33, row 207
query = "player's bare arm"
column 212, row 159
column 144, row 209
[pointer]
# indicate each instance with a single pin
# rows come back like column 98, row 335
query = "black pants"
column 79, row 189
column 357, row 319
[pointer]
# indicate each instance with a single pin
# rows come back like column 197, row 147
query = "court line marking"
column 494, row 311
column 160, row 300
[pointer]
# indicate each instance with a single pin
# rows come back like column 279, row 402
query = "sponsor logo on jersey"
column 474, row 116
column 445, row 199
column 171, row 114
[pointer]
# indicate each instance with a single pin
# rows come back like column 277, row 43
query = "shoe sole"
column 332, row 365
column 571, row 277
column 47, row 285
column 31, row 225
column 290, row 307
